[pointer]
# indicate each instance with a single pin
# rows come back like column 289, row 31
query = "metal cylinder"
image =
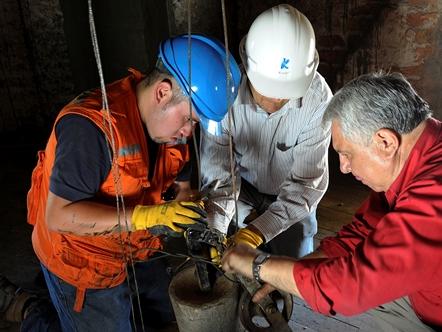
column 198, row 311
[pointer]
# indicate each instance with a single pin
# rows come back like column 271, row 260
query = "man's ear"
column 387, row 142
column 163, row 92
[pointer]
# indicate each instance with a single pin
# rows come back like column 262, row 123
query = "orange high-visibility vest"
column 99, row 261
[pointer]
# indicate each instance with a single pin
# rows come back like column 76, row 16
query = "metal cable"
column 115, row 170
column 229, row 110
column 189, row 60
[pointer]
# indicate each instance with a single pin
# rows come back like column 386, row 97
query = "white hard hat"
column 279, row 53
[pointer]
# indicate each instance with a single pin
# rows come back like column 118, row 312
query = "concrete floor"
column 19, row 264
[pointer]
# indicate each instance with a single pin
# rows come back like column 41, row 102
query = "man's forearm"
column 278, row 272
column 84, row 217
column 315, row 254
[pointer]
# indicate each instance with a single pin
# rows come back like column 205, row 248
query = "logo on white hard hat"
column 284, row 66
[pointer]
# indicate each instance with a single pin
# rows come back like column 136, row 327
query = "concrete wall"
column 128, row 36
column 205, row 18
column 46, row 55
column 35, row 74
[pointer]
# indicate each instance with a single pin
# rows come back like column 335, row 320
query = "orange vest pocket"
column 34, row 194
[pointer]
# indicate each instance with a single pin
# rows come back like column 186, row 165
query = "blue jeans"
column 110, row 309
column 296, row 241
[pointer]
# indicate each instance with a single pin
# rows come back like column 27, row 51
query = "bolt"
column 271, row 309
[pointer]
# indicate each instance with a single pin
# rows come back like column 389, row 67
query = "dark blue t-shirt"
column 83, row 159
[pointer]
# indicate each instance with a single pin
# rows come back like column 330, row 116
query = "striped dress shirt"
column 283, row 154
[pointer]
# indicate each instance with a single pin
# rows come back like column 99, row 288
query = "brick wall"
column 353, row 36
column 356, row 37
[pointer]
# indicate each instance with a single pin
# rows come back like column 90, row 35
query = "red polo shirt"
column 393, row 247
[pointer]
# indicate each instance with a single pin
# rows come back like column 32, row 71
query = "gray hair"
column 374, row 101
column 160, row 73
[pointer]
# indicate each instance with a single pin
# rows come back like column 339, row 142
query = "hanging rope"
column 229, row 111
column 120, row 206
column 189, row 61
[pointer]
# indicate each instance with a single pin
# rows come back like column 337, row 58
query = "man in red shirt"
column 389, row 259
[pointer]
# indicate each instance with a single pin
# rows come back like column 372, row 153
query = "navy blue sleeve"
column 185, row 173
column 82, row 159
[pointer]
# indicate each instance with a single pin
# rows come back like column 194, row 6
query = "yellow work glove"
column 216, row 253
column 247, row 236
column 170, row 218
column 215, row 256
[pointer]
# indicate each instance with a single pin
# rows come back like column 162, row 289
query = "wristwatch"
column 259, row 260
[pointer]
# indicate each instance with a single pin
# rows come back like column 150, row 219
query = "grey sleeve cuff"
column 269, row 225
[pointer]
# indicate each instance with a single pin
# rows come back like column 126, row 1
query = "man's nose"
column 186, row 130
column 344, row 165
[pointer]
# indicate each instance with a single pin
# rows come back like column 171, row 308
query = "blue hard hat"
column 209, row 80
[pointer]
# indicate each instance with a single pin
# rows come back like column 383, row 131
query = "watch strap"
column 259, row 260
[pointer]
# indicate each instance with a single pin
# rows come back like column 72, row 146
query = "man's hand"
column 266, row 289
column 184, row 192
column 239, row 259
column 247, row 236
column 170, row 218
column 277, row 271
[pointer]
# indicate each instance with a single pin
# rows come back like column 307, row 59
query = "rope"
column 115, row 170
column 229, row 110
column 189, row 61
column 111, row 146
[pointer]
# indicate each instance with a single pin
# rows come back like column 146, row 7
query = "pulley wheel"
column 252, row 316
